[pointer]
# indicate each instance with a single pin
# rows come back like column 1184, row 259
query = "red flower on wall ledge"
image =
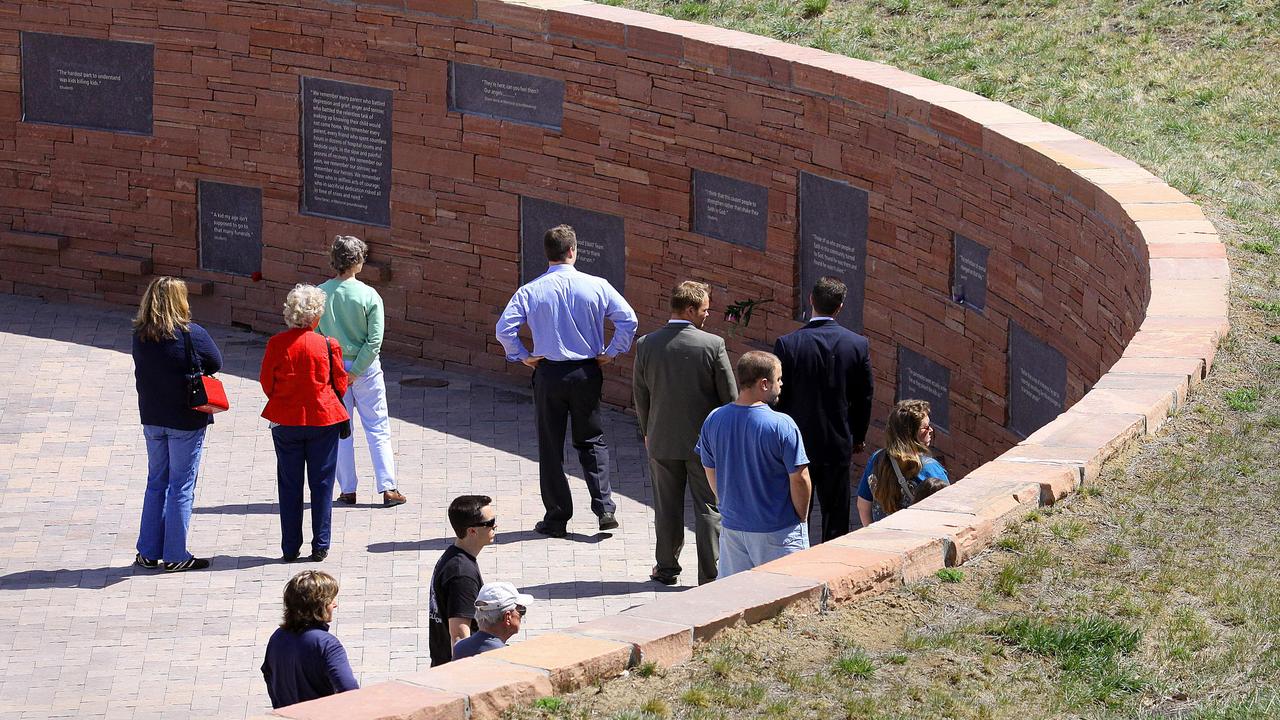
column 256, row 276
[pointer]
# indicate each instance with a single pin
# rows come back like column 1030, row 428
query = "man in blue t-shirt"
column 758, row 469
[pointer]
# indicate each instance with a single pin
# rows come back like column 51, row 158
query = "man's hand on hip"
column 604, row 360
column 532, row 361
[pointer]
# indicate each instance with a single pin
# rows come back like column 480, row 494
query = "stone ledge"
column 1056, row 481
column 847, row 572
column 919, row 556
column 122, row 263
column 664, row 643
column 571, row 661
column 710, row 609
column 384, row 701
column 490, row 686
column 33, row 241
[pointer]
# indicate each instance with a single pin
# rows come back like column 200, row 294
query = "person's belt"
column 569, row 362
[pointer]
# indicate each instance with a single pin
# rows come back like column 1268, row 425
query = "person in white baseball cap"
column 499, row 610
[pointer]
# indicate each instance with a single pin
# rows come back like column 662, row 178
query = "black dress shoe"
column 608, row 521
column 545, row 528
column 289, row 557
column 319, row 554
column 664, row 579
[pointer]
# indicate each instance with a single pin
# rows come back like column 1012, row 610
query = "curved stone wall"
column 1088, row 253
column 648, row 102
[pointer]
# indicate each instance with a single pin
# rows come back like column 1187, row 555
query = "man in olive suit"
column 681, row 375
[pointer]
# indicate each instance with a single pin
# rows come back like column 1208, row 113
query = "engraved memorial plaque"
column 506, row 95
column 602, row 247
column 346, row 151
column 920, row 378
column 728, row 209
column 833, row 241
column 969, row 273
column 88, row 83
column 1037, row 382
column 230, row 228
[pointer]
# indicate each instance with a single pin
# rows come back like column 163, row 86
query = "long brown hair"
column 307, row 598
column 900, row 444
column 164, row 310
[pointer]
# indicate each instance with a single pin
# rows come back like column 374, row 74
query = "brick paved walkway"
column 85, row 634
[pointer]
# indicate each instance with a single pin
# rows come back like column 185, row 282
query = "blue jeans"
column 314, row 450
column 741, row 550
column 173, row 461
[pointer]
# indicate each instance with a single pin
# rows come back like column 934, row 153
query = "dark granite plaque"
column 833, row 241
column 732, row 210
column 602, row 248
column 969, row 273
column 230, row 228
column 346, row 151
column 506, row 95
column 920, row 378
column 89, row 83
column 1037, row 382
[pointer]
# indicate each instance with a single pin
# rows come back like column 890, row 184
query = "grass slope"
column 1155, row 592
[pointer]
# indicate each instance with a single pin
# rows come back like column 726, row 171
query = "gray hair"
column 347, row 252
column 490, row 618
column 303, row 306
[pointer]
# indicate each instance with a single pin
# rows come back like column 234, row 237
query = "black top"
column 455, row 583
column 827, row 388
column 305, row 666
column 160, row 372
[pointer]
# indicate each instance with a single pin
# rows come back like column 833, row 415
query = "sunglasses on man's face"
column 522, row 610
column 491, row 522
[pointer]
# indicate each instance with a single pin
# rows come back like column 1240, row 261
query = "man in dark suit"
column 829, row 392
column 681, row 375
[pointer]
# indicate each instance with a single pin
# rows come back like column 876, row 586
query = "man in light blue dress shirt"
column 565, row 310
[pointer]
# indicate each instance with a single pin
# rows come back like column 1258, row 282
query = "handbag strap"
column 328, row 351
column 193, row 360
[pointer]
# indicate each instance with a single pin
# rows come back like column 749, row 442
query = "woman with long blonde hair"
column 895, row 473
column 166, row 348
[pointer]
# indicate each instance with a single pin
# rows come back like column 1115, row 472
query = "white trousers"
column 367, row 394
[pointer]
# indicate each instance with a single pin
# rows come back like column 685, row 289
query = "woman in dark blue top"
column 174, row 432
column 304, row 661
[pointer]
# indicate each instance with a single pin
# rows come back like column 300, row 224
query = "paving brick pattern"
column 85, row 634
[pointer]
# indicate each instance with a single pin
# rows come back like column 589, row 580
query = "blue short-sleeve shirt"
column 753, row 450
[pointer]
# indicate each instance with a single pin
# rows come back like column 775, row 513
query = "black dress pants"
column 565, row 392
column 831, row 486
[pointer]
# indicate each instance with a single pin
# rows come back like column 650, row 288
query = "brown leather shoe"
column 392, row 498
column 347, row 498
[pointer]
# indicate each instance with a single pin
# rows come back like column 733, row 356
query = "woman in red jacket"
column 303, row 377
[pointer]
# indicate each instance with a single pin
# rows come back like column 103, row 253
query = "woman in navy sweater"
column 304, row 661
column 174, row 432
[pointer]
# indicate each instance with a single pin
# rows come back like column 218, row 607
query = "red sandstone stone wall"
column 89, row 215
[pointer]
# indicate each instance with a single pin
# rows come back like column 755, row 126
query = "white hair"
column 490, row 618
column 303, row 306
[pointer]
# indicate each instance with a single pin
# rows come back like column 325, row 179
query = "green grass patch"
column 1242, row 399
column 549, row 704
column 1023, row 569
column 1088, row 650
column 950, row 575
column 855, row 663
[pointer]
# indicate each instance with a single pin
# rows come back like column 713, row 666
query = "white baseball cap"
column 501, row 596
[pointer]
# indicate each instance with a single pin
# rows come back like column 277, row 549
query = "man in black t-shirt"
column 456, row 580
